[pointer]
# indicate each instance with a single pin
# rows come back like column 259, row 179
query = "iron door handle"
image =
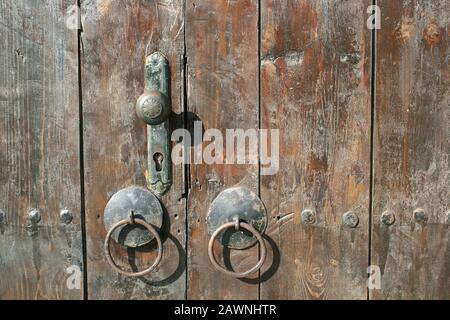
column 133, row 221
column 242, row 209
column 237, row 225
column 126, row 211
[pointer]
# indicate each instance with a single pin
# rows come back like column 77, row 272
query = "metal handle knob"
column 150, row 228
column 153, row 107
column 237, row 224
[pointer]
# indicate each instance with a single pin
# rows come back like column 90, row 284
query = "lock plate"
column 241, row 203
column 144, row 204
column 153, row 107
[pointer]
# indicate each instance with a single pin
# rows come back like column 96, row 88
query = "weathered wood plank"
column 39, row 151
column 411, row 150
column 222, row 71
column 115, row 37
column 315, row 88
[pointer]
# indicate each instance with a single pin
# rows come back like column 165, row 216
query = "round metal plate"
column 237, row 202
column 144, row 204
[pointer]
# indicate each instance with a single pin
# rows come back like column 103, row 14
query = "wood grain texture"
column 222, row 92
column 39, row 150
column 315, row 88
column 411, row 150
column 115, row 37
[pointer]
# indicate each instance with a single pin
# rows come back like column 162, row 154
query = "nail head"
column 420, row 216
column 308, row 216
column 34, row 215
column 66, row 216
column 350, row 219
column 388, row 218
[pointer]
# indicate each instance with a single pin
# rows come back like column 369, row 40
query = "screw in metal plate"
column 388, row 218
column 34, row 215
column 350, row 219
column 65, row 216
column 420, row 216
column 308, row 216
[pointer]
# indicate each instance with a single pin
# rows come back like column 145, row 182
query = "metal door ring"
column 150, row 228
column 237, row 202
column 247, row 227
column 144, row 204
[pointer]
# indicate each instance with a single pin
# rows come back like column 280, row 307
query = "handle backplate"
column 143, row 204
column 153, row 107
column 238, row 203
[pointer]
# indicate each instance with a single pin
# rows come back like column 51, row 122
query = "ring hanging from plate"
column 133, row 221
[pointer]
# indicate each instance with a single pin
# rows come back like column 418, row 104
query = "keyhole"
column 158, row 158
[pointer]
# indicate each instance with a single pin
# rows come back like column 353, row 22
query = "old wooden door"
column 358, row 207
column 40, row 202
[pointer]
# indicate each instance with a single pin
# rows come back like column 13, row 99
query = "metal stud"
column 65, row 216
column 388, row 218
column 34, row 215
column 308, row 216
column 350, row 219
column 420, row 216
column 2, row 216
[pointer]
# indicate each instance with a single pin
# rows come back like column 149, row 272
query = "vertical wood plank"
column 39, row 151
column 411, row 150
column 315, row 88
column 222, row 92
column 116, row 35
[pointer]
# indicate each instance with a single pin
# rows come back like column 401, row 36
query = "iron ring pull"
column 237, row 224
column 151, row 229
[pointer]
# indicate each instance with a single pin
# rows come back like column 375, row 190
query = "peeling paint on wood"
column 39, row 151
column 315, row 89
column 116, row 36
column 411, row 150
column 222, row 77
column 313, row 66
